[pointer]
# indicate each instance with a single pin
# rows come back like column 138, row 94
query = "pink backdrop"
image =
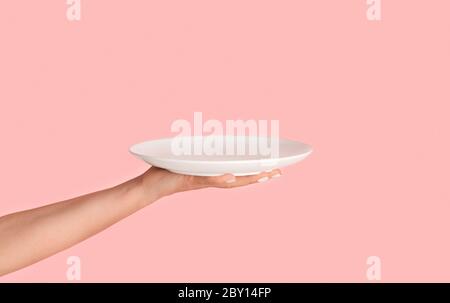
column 371, row 97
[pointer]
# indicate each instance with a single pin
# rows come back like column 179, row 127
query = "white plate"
column 159, row 153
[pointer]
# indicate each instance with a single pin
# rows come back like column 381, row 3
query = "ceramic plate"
column 206, row 156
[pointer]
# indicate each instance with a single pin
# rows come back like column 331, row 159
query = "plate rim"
column 305, row 154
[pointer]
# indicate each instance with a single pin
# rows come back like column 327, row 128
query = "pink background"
column 371, row 97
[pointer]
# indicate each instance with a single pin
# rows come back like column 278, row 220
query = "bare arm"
column 32, row 235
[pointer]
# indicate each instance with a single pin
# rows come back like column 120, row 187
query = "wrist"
column 137, row 192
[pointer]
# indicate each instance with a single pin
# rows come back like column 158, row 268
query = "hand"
column 168, row 183
column 24, row 236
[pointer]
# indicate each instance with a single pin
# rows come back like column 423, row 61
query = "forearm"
column 29, row 236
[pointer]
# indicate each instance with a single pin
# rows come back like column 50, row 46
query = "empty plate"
column 218, row 155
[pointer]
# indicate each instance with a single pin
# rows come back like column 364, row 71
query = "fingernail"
column 263, row 179
column 276, row 176
column 231, row 179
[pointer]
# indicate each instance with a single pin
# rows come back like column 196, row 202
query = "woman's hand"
column 32, row 235
column 168, row 183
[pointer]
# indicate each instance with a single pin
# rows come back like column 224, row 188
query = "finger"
column 259, row 178
column 214, row 181
column 276, row 173
column 229, row 181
